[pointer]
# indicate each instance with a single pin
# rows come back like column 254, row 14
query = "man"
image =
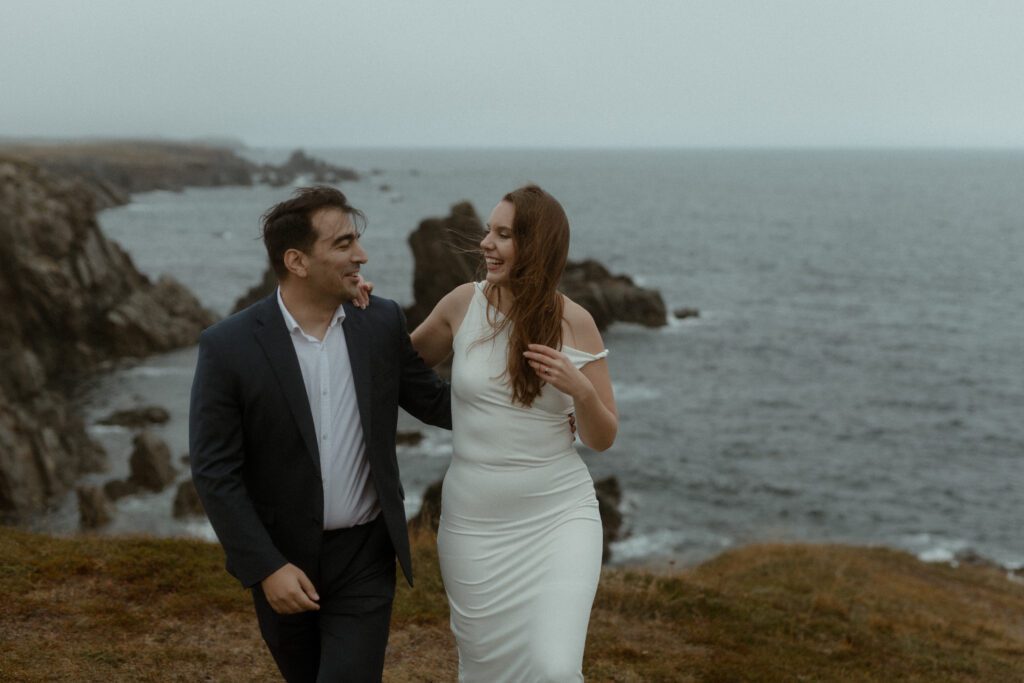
column 292, row 437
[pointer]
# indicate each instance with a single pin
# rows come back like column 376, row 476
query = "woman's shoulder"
column 461, row 294
column 581, row 330
column 454, row 303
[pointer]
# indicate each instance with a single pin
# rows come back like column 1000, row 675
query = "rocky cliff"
column 71, row 300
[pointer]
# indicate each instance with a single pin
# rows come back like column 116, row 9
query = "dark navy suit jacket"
column 253, row 449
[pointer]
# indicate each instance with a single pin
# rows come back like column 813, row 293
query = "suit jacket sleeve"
column 421, row 392
column 217, row 456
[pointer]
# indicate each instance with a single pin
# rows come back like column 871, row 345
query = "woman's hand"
column 555, row 368
column 365, row 289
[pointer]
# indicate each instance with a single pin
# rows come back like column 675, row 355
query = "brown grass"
column 101, row 609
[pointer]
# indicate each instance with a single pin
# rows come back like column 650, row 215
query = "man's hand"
column 289, row 591
column 365, row 289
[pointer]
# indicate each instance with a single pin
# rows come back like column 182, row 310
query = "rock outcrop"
column 429, row 515
column 260, row 290
column 686, row 312
column 150, row 463
column 137, row 417
column 446, row 254
column 71, row 300
column 186, row 501
column 609, row 499
column 94, row 510
column 300, row 165
column 611, row 298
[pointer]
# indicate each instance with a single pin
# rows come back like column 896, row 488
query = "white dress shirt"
column 349, row 496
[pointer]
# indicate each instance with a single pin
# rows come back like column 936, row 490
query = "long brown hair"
column 540, row 234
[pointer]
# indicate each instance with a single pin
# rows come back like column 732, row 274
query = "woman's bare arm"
column 433, row 338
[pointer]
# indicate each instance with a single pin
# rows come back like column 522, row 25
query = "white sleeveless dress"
column 519, row 541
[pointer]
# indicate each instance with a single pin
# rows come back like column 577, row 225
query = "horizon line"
column 239, row 143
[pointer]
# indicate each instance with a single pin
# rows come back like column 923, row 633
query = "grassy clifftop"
column 95, row 609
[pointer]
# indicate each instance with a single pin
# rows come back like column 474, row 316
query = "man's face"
column 333, row 262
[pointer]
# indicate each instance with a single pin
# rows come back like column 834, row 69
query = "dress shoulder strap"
column 476, row 313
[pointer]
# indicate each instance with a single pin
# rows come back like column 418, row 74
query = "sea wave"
column 157, row 371
column 666, row 543
column 101, row 430
column 935, row 548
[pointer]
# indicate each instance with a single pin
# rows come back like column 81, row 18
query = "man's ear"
column 295, row 262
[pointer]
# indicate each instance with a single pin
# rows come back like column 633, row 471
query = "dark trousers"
column 345, row 639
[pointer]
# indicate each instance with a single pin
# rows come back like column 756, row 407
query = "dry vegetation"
column 95, row 609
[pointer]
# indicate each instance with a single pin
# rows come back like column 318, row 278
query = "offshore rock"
column 71, row 300
column 683, row 313
column 300, row 165
column 116, row 489
column 186, row 501
column 612, row 298
column 429, row 516
column 447, row 254
column 261, row 290
column 150, row 463
column 609, row 498
column 137, row 417
column 94, row 510
column 408, row 438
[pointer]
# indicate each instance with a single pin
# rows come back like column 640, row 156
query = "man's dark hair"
column 289, row 225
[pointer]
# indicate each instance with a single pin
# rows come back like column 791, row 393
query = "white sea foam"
column 665, row 542
column 413, row 503
column 157, row 371
column 678, row 325
column 434, row 448
column 200, row 528
column 100, row 430
column 933, row 548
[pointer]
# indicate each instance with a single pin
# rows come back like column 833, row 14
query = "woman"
column 520, row 536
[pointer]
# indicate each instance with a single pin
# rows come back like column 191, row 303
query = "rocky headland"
column 72, row 301
column 114, row 170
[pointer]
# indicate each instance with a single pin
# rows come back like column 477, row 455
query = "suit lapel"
column 357, row 340
column 272, row 334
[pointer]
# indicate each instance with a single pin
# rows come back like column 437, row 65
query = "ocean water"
column 855, row 374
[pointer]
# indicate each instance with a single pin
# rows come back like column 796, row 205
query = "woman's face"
column 497, row 245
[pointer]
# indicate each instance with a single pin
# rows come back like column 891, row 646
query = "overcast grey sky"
column 518, row 72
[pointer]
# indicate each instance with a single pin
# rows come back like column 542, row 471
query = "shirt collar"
column 293, row 324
